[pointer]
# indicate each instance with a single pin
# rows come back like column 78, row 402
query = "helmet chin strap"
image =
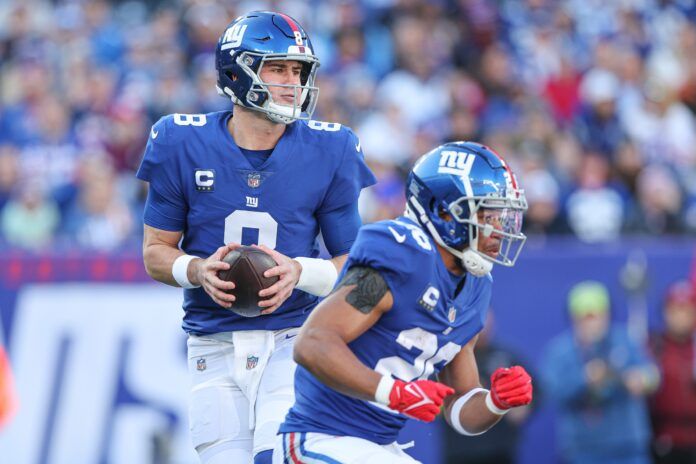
column 473, row 262
column 279, row 113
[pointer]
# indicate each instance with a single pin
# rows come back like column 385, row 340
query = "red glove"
column 510, row 387
column 420, row 399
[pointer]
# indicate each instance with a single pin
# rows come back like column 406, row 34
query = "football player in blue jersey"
column 409, row 304
column 263, row 174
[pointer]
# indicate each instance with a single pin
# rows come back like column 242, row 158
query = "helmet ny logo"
column 233, row 36
column 455, row 162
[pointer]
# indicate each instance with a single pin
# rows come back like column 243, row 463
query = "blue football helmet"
column 460, row 190
column 247, row 44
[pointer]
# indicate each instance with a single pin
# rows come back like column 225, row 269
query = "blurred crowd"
column 593, row 103
column 620, row 397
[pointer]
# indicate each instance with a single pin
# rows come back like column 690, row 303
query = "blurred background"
column 592, row 103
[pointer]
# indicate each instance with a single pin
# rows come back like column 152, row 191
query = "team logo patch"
column 252, row 361
column 200, row 364
column 452, row 314
column 254, row 180
column 205, row 180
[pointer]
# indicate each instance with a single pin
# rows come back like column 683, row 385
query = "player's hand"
column 205, row 274
column 288, row 270
column 420, row 399
column 510, row 387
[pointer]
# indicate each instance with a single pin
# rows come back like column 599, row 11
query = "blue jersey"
column 426, row 327
column 201, row 184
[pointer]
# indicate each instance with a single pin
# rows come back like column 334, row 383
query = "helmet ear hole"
column 444, row 214
column 431, row 205
column 232, row 76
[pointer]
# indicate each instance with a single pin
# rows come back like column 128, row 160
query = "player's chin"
column 288, row 101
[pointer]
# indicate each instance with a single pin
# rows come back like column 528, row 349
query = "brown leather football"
column 247, row 265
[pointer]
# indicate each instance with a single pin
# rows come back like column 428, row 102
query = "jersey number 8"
column 263, row 222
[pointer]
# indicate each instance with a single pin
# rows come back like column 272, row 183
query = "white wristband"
column 180, row 271
column 384, row 388
column 318, row 276
column 492, row 407
column 457, row 409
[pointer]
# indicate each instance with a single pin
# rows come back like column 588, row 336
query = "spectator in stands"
column 598, row 126
column 595, row 209
column 29, row 219
column 673, row 407
column 107, row 70
column 99, row 219
column 598, row 378
column 658, row 207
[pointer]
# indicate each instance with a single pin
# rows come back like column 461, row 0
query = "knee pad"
column 218, row 418
column 264, row 457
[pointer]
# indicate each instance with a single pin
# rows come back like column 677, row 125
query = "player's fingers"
column 431, row 411
column 216, row 282
column 220, row 294
column 444, row 391
column 270, row 302
column 221, row 252
column 511, row 385
column 279, row 270
column 500, row 373
column 272, row 290
column 285, row 284
column 217, row 266
column 270, row 310
column 280, row 299
column 224, row 304
column 222, row 298
column 277, row 256
column 519, row 401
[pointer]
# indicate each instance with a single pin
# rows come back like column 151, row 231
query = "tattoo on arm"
column 370, row 287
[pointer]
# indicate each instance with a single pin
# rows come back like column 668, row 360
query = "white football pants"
column 241, row 390
column 309, row 448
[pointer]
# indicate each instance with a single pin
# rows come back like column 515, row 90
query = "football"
column 247, row 265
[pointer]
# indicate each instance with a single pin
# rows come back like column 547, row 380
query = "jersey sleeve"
column 339, row 228
column 391, row 250
column 351, row 176
column 166, row 206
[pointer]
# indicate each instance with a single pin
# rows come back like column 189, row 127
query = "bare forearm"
column 339, row 261
column 328, row 357
column 159, row 258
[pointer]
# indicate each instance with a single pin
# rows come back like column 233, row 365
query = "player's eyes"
column 491, row 219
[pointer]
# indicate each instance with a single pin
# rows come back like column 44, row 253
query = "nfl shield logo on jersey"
column 452, row 314
column 252, row 361
column 254, row 180
column 200, row 364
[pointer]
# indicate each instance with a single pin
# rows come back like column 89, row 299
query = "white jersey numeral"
column 324, row 126
column 190, row 119
column 261, row 221
column 424, row 364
